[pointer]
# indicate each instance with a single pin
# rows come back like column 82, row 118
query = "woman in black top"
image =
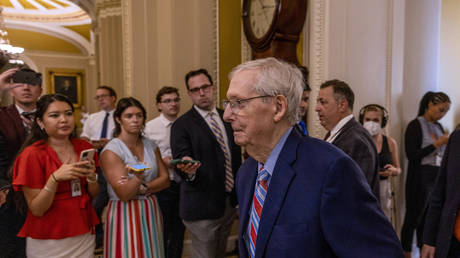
column 374, row 118
column 425, row 141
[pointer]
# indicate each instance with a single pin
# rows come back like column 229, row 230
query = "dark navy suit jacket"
column 318, row 204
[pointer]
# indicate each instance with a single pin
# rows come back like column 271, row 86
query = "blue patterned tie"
column 104, row 126
column 260, row 192
column 215, row 128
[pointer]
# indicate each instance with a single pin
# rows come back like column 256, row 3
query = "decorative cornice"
column 105, row 8
column 318, row 57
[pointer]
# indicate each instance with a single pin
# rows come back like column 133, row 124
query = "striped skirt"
column 134, row 229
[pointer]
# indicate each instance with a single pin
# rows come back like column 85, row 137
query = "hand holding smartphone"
column 175, row 162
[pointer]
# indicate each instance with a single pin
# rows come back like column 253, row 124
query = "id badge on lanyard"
column 75, row 185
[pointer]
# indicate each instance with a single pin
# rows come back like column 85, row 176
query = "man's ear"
column 280, row 107
column 343, row 106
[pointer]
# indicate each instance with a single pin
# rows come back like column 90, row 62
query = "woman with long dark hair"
column 425, row 142
column 134, row 226
column 56, row 186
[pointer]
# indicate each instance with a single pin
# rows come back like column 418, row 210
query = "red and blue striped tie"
column 256, row 210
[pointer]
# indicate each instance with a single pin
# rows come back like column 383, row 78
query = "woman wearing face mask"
column 374, row 118
column 425, row 142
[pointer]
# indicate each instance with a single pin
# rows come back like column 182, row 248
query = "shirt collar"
column 273, row 157
column 164, row 120
column 340, row 124
column 20, row 110
column 205, row 113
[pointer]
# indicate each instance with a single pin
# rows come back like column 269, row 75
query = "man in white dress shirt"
column 98, row 130
column 334, row 106
column 159, row 131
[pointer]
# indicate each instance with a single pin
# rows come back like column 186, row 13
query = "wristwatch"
column 142, row 189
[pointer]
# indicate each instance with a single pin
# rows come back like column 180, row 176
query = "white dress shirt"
column 206, row 116
column 92, row 127
column 159, row 131
column 338, row 127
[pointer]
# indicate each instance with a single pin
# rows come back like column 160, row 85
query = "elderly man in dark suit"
column 207, row 197
column 15, row 121
column 334, row 106
column 441, row 234
column 298, row 196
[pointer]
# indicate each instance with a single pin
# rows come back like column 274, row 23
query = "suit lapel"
column 203, row 124
column 15, row 116
column 249, row 174
column 277, row 190
column 342, row 130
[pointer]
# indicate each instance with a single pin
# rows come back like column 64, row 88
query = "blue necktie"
column 104, row 126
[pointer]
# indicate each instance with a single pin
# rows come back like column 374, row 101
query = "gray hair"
column 276, row 77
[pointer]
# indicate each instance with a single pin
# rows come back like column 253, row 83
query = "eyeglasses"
column 237, row 104
column 205, row 88
column 167, row 101
column 98, row 97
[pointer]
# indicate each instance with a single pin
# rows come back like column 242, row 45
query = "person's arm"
column 116, row 173
column 413, row 142
column 162, row 181
column 40, row 200
column 393, row 169
column 361, row 220
column 181, row 147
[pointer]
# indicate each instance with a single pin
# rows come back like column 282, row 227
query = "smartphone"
column 139, row 167
column 27, row 76
column 183, row 161
column 87, row 154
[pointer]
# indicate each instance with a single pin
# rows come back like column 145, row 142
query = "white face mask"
column 372, row 127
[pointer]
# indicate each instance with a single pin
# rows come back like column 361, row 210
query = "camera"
column 27, row 76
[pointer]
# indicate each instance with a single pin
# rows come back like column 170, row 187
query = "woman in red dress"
column 57, row 187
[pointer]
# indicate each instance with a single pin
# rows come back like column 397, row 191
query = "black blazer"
column 203, row 197
column 415, row 153
column 357, row 143
column 444, row 201
column 12, row 136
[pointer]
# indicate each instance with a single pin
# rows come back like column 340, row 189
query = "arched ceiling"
column 47, row 25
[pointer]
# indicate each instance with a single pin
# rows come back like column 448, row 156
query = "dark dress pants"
column 173, row 231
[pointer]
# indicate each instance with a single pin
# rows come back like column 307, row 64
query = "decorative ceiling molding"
column 56, row 31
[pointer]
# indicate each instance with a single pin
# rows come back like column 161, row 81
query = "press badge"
column 76, row 187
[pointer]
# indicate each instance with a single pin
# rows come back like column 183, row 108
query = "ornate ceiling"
column 47, row 25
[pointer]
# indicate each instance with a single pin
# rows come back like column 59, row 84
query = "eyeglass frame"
column 168, row 101
column 204, row 88
column 102, row 96
column 238, row 102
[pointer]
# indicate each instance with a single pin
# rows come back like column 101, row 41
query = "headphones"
column 366, row 108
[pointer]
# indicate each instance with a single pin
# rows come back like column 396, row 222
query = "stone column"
column 421, row 53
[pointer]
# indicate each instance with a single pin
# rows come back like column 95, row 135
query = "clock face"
column 261, row 13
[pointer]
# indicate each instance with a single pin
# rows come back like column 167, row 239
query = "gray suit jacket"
column 357, row 143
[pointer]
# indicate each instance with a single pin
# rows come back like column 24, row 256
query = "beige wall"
column 449, row 75
column 165, row 40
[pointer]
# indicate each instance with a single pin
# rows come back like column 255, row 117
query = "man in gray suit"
column 334, row 106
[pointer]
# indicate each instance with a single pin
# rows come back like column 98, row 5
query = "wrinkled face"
column 169, row 104
column 131, row 120
column 328, row 108
column 201, row 91
column 26, row 94
column 374, row 116
column 253, row 118
column 58, row 120
column 437, row 111
column 104, row 100
column 304, row 103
